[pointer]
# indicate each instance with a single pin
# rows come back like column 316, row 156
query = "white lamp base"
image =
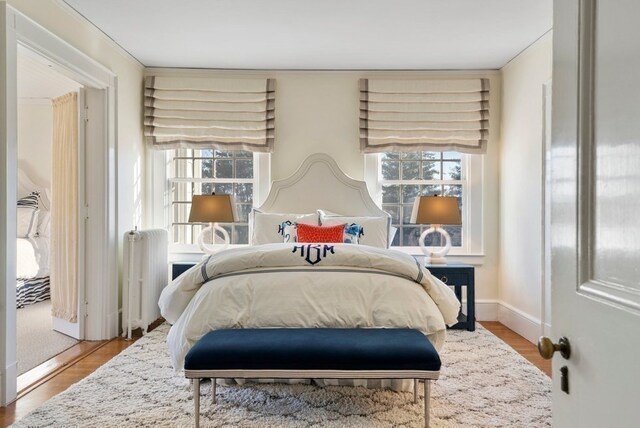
column 212, row 249
column 435, row 257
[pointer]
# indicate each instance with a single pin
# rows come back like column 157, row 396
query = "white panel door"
column 595, row 161
column 96, row 196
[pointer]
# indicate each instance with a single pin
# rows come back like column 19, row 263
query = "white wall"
column 35, row 135
column 318, row 111
column 521, row 157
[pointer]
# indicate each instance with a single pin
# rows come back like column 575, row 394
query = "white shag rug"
column 36, row 338
column 483, row 383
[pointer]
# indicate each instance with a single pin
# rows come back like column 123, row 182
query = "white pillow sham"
column 268, row 228
column 44, row 224
column 27, row 222
column 375, row 230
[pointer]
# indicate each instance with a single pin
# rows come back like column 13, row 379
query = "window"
column 395, row 179
column 196, row 172
column 404, row 176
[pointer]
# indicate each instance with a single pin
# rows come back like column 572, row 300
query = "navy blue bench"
column 324, row 353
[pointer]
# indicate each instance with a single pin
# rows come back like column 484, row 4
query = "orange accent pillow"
column 308, row 233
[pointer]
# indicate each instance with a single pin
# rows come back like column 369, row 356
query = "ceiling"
column 38, row 81
column 321, row 34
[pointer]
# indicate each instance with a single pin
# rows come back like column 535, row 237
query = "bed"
column 33, row 243
column 278, row 284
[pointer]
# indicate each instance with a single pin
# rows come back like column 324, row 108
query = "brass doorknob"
column 547, row 348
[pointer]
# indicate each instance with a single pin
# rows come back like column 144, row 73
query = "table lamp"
column 436, row 211
column 212, row 209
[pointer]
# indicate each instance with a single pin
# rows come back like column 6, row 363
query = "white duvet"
column 32, row 257
column 305, row 285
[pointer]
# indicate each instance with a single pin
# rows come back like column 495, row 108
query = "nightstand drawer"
column 452, row 278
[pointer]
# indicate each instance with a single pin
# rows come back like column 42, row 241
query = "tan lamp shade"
column 436, row 210
column 212, row 209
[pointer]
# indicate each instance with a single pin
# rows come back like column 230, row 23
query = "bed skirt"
column 32, row 290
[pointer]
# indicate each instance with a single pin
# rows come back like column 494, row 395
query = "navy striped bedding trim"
column 203, row 270
column 30, row 200
column 32, row 290
column 334, row 270
column 420, row 274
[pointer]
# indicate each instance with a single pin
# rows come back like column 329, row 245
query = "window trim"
column 161, row 161
column 472, row 202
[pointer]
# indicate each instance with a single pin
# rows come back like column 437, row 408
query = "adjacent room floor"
column 37, row 341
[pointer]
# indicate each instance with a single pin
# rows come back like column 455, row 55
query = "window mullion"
column 421, row 182
column 212, row 180
column 186, row 179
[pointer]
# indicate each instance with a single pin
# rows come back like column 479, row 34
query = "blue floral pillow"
column 352, row 233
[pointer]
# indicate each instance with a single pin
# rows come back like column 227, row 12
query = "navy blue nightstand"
column 178, row 268
column 458, row 276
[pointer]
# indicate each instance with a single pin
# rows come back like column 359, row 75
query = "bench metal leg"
column 213, row 390
column 196, row 400
column 415, row 390
column 427, row 396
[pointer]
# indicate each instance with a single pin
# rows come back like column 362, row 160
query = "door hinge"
column 85, row 212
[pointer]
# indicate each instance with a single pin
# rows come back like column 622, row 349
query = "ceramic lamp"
column 212, row 209
column 436, row 211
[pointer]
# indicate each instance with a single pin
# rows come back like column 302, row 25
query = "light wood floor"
column 520, row 344
column 84, row 358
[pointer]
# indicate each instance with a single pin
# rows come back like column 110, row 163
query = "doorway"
column 47, row 262
column 98, row 307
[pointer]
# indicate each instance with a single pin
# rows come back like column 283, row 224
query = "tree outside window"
column 407, row 175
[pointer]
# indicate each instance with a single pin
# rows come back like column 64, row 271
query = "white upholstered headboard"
column 320, row 184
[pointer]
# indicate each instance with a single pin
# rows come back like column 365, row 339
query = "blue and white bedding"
column 305, row 285
column 32, row 290
column 32, row 271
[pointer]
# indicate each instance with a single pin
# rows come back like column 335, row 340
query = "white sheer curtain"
column 64, row 208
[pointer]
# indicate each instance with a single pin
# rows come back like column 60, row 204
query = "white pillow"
column 375, row 230
column 27, row 222
column 268, row 228
column 44, row 224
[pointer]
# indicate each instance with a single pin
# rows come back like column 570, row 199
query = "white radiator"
column 144, row 276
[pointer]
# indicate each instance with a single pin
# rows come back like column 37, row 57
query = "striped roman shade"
column 428, row 115
column 198, row 113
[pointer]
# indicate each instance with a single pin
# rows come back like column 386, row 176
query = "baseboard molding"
column 524, row 324
column 113, row 325
column 486, row 310
column 8, row 375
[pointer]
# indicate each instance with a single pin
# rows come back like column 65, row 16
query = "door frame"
column 101, row 321
column 545, row 318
